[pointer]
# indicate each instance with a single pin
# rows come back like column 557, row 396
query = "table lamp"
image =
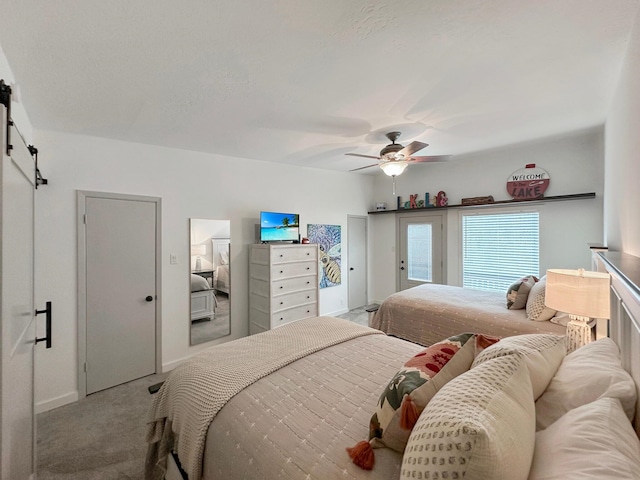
column 198, row 250
column 583, row 295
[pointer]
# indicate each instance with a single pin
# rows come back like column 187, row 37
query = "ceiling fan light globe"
column 393, row 168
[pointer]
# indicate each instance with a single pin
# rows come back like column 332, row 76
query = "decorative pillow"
column 585, row 375
column 543, row 353
column 412, row 388
column 536, row 309
column 519, row 292
column 480, row 425
column 199, row 283
column 591, row 442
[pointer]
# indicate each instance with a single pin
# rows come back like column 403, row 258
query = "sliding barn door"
column 17, row 320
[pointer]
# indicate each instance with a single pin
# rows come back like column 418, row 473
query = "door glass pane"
column 419, row 252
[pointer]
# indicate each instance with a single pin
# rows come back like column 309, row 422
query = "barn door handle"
column 47, row 337
column 149, row 298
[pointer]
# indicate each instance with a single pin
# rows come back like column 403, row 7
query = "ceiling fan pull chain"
column 394, row 184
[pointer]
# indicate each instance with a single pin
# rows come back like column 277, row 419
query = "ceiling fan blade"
column 432, row 158
column 412, row 148
column 359, row 155
column 362, row 168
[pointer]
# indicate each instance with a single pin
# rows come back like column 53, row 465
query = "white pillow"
column 585, row 375
column 479, row 425
column 543, row 353
column 199, row 283
column 593, row 442
column 536, row 309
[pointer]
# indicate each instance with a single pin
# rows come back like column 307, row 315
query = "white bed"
column 296, row 420
column 203, row 299
column 221, row 279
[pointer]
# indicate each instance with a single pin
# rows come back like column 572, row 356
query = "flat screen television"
column 279, row 227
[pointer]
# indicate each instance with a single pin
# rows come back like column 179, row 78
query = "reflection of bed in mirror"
column 203, row 300
column 221, row 265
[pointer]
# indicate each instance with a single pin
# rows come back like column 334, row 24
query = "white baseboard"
column 336, row 313
column 167, row 367
column 52, row 403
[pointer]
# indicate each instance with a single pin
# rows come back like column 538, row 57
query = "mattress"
column 428, row 313
column 296, row 422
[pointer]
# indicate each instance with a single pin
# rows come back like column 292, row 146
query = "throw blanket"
column 198, row 388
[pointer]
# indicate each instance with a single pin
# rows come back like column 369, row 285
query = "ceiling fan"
column 394, row 158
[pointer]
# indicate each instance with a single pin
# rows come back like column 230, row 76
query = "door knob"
column 149, row 298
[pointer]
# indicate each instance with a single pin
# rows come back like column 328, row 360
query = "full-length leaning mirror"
column 210, row 280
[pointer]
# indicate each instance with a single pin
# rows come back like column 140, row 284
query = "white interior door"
column 17, row 320
column 421, row 252
column 357, row 255
column 120, row 246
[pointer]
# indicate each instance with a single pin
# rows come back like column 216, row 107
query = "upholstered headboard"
column 624, row 325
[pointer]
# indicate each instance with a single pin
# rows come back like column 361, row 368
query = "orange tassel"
column 408, row 413
column 362, row 455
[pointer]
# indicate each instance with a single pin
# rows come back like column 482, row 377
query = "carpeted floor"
column 102, row 437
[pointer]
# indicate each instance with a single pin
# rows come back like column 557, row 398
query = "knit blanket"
column 198, row 388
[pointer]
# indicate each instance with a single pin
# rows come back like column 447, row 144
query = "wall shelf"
column 500, row 203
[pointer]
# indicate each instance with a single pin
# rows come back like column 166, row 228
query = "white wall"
column 191, row 185
column 622, row 172
column 18, row 113
column 574, row 163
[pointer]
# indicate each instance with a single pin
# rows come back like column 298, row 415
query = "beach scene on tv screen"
column 278, row 226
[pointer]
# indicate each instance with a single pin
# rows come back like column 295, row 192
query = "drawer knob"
column 281, row 303
column 281, row 255
column 308, row 296
column 280, row 271
column 308, row 268
column 308, row 283
column 281, row 287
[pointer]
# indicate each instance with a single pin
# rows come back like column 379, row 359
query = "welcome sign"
column 528, row 183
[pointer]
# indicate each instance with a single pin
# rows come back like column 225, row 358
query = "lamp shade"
column 198, row 249
column 578, row 292
column 393, row 167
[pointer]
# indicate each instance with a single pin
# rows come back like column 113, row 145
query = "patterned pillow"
column 411, row 388
column 519, row 292
column 480, row 425
column 536, row 309
column 543, row 353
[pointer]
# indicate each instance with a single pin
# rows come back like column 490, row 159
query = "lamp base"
column 578, row 332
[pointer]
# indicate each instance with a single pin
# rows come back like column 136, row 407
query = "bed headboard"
column 624, row 325
column 220, row 245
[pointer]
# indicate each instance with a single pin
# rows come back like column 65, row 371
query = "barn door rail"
column 47, row 337
column 5, row 99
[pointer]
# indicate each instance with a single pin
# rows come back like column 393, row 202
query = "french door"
column 421, row 240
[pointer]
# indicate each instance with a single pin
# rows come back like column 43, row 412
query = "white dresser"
column 283, row 284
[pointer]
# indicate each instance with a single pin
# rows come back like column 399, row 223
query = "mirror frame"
column 210, row 294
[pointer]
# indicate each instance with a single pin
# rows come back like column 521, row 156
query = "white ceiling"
column 303, row 82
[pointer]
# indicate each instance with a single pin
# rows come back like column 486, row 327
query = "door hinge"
column 85, row 367
column 84, row 218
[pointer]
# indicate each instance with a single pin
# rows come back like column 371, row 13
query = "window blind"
column 498, row 249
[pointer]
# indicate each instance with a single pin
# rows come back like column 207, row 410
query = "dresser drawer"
column 296, row 253
column 290, row 285
column 282, row 302
column 287, row 270
column 293, row 314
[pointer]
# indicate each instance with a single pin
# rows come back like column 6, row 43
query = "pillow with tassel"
column 409, row 391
